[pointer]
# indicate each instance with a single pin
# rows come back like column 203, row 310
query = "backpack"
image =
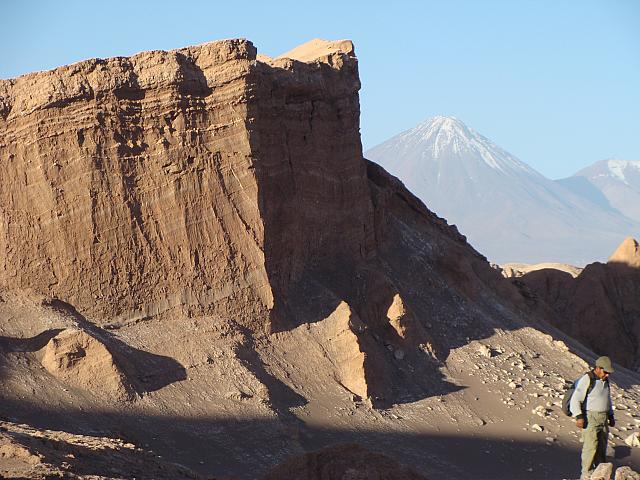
column 566, row 401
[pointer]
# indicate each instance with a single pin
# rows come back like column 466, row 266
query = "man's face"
column 601, row 373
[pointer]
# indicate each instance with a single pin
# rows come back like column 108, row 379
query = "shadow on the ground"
column 248, row 449
column 32, row 344
column 147, row 371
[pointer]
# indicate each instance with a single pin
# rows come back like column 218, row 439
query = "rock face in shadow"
column 600, row 307
column 312, row 183
column 343, row 462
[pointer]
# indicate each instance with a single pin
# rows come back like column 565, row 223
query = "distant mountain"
column 508, row 211
column 616, row 181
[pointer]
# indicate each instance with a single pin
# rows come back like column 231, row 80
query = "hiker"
column 592, row 408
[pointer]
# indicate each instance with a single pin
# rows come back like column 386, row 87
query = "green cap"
column 605, row 364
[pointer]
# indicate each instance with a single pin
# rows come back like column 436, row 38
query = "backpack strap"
column 592, row 383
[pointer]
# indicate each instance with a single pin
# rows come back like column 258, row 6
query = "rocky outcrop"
column 342, row 462
column 600, row 307
column 602, row 472
column 82, row 361
column 628, row 253
column 199, row 179
column 626, row 473
column 208, row 181
column 510, row 270
column 131, row 188
column 312, row 183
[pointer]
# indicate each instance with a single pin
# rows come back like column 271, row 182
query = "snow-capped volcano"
column 622, row 170
column 508, row 210
column 441, row 137
column 618, row 180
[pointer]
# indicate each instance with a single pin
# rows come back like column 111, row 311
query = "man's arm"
column 578, row 397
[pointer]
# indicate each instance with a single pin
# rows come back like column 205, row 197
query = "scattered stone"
column 541, row 411
column 537, row 428
column 626, row 473
column 484, row 351
column 602, row 472
column 633, row 440
column 560, row 345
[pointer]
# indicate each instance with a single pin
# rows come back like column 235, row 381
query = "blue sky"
column 556, row 83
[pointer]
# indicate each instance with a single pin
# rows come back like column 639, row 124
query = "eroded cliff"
column 127, row 184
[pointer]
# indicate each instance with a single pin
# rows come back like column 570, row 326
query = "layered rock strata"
column 130, row 188
column 197, row 179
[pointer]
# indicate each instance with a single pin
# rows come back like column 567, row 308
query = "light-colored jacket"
column 599, row 399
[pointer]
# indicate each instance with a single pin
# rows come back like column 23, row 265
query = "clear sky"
column 554, row 82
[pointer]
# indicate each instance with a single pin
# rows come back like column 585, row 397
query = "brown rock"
column 181, row 180
column 628, row 253
column 342, row 462
column 343, row 347
column 82, row 361
column 600, row 307
column 131, row 183
column 409, row 330
column 319, row 50
column 205, row 182
column 626, row 473
column 602, row 472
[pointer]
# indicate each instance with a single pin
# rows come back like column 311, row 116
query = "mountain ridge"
column 614, row 179
column 508, row 211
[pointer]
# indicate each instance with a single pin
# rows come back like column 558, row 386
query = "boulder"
column 602, row 472
column 626, row 473
column 82, row 361
column 342, row 462
column 633, row 440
